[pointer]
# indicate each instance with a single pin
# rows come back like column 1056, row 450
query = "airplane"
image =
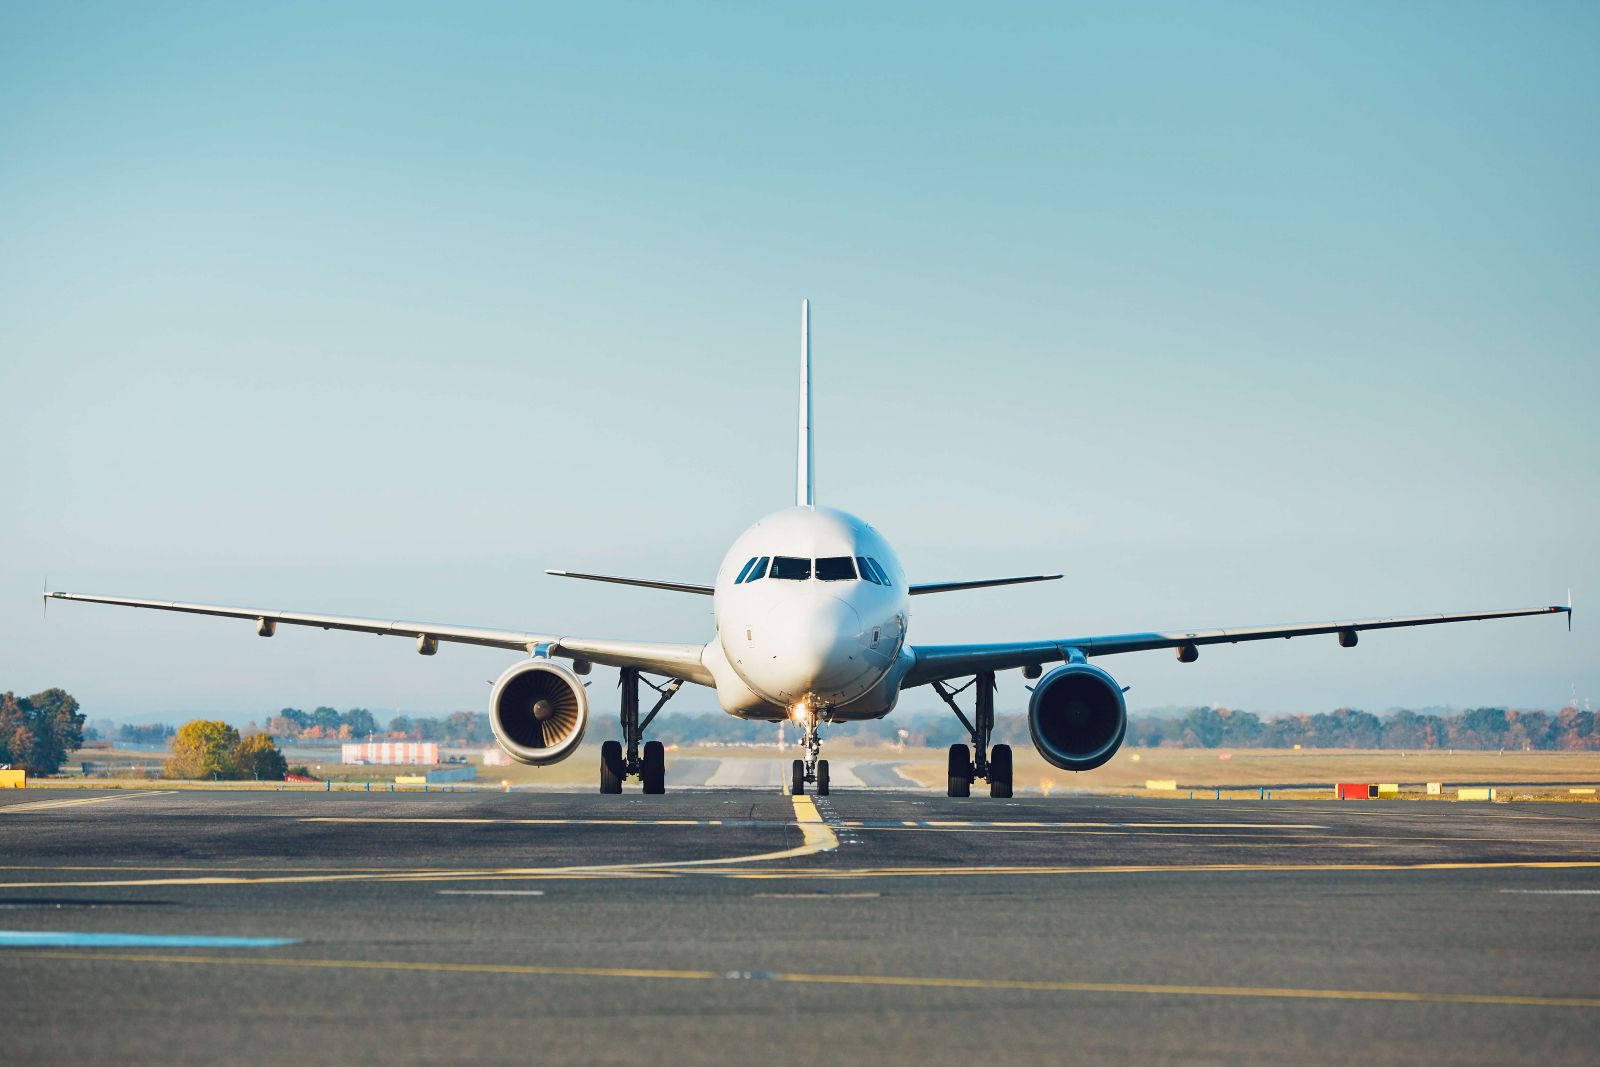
column 811, row 608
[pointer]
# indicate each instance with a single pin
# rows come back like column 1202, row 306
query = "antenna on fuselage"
column 805, row 493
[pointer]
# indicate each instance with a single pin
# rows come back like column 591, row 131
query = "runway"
column 732, row 926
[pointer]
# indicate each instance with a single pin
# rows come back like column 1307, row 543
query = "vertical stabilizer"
column 805, row 494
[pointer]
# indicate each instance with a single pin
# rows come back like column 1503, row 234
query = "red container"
column 1354, row 790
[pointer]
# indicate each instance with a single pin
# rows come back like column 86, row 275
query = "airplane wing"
column 981, row 583
column 938, row 662
column 678, row 661
column 648, row 583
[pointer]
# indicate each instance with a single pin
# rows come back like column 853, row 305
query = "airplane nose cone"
column 813, row 647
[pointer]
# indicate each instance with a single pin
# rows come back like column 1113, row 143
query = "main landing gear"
column 617, row 765
column 980, row 761
column 811, row 769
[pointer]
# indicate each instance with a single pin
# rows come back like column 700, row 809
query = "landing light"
column 800, row 713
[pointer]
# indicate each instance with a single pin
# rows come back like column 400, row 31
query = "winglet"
column 805, row 494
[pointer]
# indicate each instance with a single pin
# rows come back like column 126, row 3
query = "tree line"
column 359, row 724
column 1479, row 728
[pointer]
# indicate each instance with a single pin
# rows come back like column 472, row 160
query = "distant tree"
column 38, row 732
column 360, row 721
column 1529, row 729
column 400, row 724
column 146, row 733
column 203, row 748
column 283, row 726
column 16, row 739
column 258, row 757
column 1575, row 729
column 300, row 719
column 1482, row 728
column 1202, row 728
column 327, row 718
column 1287, row 731
column 1404, row 729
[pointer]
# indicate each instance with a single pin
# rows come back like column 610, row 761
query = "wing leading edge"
column 981, row 583
column 938, row 662
column 679, row 661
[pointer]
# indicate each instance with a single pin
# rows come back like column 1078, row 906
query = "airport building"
column 410, row 753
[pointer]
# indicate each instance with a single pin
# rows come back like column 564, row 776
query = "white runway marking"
column 746, row 773
column 51, row 805
column 1556, row 892
column 491, row 892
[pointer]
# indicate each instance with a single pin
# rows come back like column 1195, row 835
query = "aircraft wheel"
column 1000, row 771
column 654, row 771
column 611, row 767
column 822, row 777
column 797, row 778
column 960, row 784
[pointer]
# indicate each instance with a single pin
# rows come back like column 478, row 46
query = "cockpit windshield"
column 790, row 568
column 836, row 569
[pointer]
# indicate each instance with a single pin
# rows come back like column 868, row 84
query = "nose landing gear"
column 617, row 765
column 980, row 761
column 811, row 769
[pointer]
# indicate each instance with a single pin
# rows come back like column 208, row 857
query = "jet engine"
column 538, row 710
column 1077, row 717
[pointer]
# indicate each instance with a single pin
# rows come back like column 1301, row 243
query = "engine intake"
column 538, row 710
column 1077, row 717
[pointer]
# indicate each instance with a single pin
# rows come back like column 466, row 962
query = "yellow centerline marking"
column 1173, row 868
column 868, row 824
column 881, row 980
column 51, row 805
column 816, row 836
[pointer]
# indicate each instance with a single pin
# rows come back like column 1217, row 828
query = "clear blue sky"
column 1234, row 313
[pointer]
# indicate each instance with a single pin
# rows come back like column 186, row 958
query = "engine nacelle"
column 1077, row 717
column 538, row 710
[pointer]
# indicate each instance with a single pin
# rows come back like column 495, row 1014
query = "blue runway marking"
column 68, row 939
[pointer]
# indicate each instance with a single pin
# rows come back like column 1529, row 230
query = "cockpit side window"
column 759, row 570
column 745, row 572
column 791, row 568
column 883, row 576
column 835, row 569
column 866, row 570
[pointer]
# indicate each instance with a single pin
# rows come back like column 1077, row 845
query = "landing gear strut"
column 812, row 768
column 650, row 766
column 980, row 761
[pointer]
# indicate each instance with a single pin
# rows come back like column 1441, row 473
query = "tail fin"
column 805, row 493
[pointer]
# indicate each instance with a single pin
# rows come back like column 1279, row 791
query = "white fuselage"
column 819, row 621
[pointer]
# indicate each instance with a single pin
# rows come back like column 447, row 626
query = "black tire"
column 654, row 771
column 797, row 778
column 612, row 770
column 1000, row 772
column 822, row 777
column 960, row 772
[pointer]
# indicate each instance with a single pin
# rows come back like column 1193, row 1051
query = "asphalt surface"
column 746, row 926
